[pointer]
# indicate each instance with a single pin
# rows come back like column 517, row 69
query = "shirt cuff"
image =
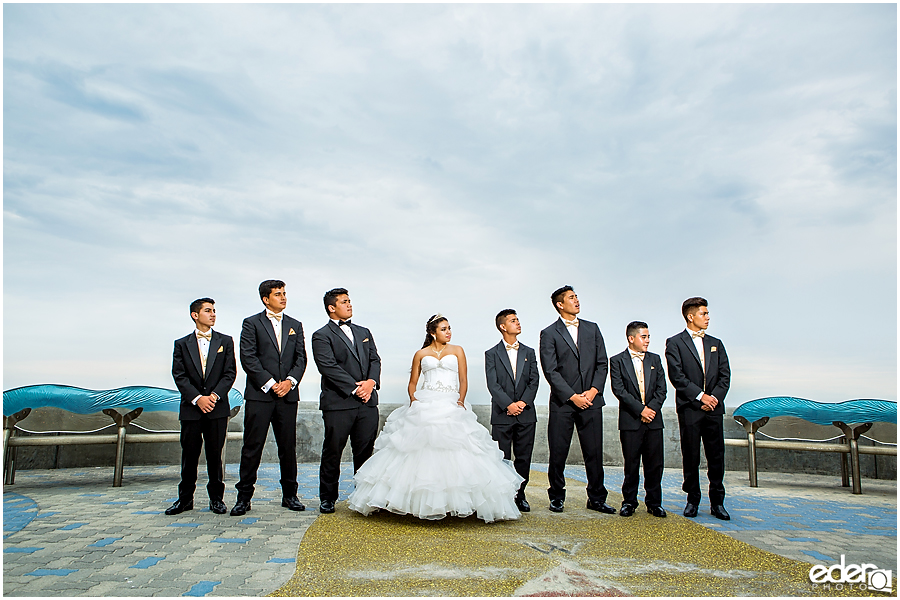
column 268, row 386
column 194, row 401
column 293, row 382
column 700, row 395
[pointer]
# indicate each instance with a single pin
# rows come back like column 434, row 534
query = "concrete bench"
column 860, row 414
column 44, row 396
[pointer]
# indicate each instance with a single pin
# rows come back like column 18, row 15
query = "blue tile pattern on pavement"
column 184, row 524
column 817, row 555
column 281, row 560
column 18, row 511
column 147, row 562
column 105, row 542
column 71, row 526
column 22, row 550
column 44, row 515
column 45, row 572
column 202, row 588
column 249, row 521
column 307, row 479
column 231, row 540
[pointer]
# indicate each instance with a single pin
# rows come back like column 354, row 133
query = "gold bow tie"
column 272, row 315
column 512, row 346
column 639, row 355
column 572, row 323
column 207, row 336
column 698, row 334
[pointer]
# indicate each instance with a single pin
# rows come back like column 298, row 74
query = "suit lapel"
column 564, row 333
column 648, row 373
column 708, row 354
column 194, row 351
column 520, row 363
column 285, row 332
column 214, row 344
column 689, row 342
column 629, row 367
column 267, row 326
column 500, row 349
column 336, row 330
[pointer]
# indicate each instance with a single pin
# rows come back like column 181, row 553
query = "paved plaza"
column 68, row 532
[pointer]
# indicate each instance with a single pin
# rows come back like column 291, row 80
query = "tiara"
column 435, row 318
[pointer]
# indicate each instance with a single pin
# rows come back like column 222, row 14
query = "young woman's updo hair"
column 431, row 326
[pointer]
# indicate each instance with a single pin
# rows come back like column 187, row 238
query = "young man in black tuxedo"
column 573, row 358
column 348, row 361
column 273, row 354
column 512, row 379
column 204, row 369
column 637, row 379
column 700, row 373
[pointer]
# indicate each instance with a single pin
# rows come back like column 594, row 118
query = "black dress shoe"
column 719, row 512
column 326, row 506
column 656, row 511
column 601, row 507
column 292, row 503
column 218, row 507
column 627, row 510
column 179, row 507
column 690, row 510
column 240, row 508
column 556, row 505
column 522, row 505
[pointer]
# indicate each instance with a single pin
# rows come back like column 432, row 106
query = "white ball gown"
column 433, row 458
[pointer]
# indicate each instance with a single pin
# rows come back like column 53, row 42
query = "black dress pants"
column 518, row 439
column 590, row 434
column 258, row 416
column 696, row 426
column 642, row 445
column 194, row 434
column 360, row 425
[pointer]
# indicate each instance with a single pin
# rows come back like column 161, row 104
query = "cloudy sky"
column 453, row 158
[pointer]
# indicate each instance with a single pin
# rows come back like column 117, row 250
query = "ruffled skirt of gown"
column 432, row 459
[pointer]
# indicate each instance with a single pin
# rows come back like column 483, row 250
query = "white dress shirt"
column 276, row 325
column 203, row 347
column 698, row 344
column 349, row 333
column 638, row 363
column 573, row 330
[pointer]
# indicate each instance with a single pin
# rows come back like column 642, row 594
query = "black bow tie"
column 342, row 323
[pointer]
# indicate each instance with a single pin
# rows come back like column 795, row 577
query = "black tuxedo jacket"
column 570, row 370
column 221, row 369
column 624, row 384
column 342, row 363
column 505, row 389
column 686, row 371
column 262, row 359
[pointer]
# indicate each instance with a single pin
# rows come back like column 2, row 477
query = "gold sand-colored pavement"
column 576, row 553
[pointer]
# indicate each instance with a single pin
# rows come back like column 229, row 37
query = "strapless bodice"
column 441, row 375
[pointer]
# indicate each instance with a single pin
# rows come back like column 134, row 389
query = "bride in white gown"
column 433, row 458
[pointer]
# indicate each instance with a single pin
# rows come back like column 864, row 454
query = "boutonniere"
column 291, row 332
column 713, row 349
column 220, row 349
column 365, row 340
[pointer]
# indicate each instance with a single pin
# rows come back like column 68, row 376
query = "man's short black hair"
column 331, row 297
column 559, row 294
column 197, row 304
column 266, row 287
column 501, row 317
column 692, row 305
column 633, row 328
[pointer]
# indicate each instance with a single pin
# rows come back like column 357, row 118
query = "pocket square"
column 291, row 332
column 365, row 340
column 220, row 349
column 713, row 349
column 651, row 368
